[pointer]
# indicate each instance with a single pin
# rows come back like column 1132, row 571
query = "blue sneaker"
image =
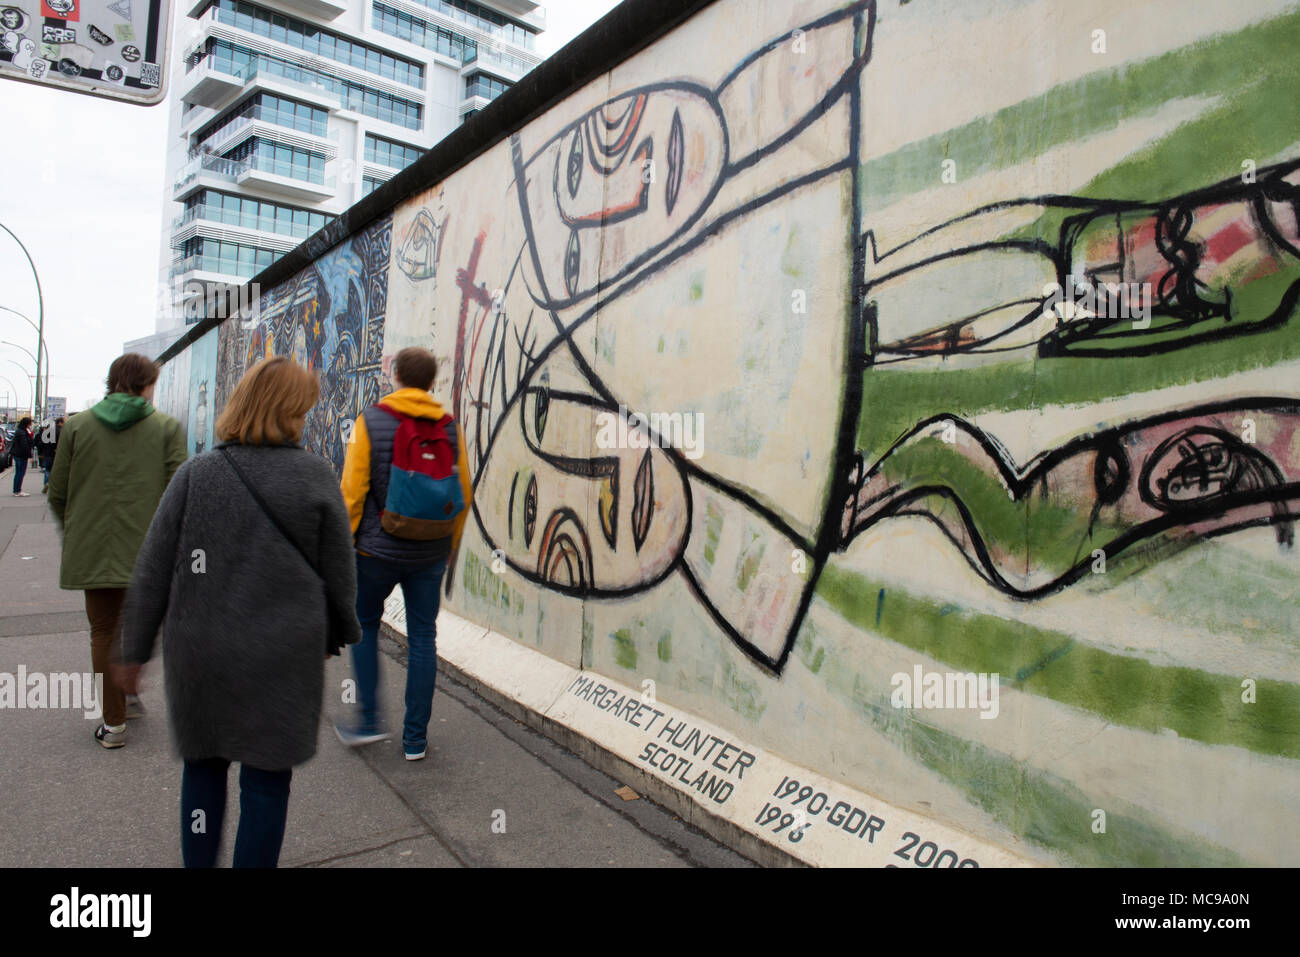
column 415, row 752
column 356, row 736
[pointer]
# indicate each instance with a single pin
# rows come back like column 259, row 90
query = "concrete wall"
column 824, row 236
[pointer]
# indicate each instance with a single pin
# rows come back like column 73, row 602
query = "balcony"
column 301, row 84
column 324, row 9
column 269, row 123
column 214, row 81
column 299, row 53
column 185, row 226
column 462, row 20
column 504, row 65
column 285, row 179
column 528, row 10
column 211, row 82
column 203, row 172
column 472, row 104
column 298, row 182
column 212, row 269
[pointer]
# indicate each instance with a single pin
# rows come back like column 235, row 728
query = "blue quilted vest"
column 371, row 537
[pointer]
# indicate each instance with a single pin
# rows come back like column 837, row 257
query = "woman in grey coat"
column 246, row 619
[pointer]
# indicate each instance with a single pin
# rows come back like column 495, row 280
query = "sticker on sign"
column 113, row 48
column 58, row 34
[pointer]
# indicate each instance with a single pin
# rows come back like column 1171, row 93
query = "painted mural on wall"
column 330, row 319
column 825, row 342
column 171, row 392
column 202, row 393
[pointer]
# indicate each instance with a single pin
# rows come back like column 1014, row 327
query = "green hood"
column 121, row 411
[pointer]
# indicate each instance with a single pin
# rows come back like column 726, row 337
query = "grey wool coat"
column 243, row 617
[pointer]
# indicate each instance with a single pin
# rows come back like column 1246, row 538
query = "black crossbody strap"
column 269, row 514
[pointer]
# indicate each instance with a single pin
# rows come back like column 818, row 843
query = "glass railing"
column 339, row 94
column 266, row 115
column 386, row 158
column 229, row 170
column 213, row 62
column 506, row 61
column 290, row 170
column 217, row 167
column 228, row 267
column 359, row 56
column 230, row 217
column 305, row 79
column 317, row 83
column 484, row 88
column 515, row 35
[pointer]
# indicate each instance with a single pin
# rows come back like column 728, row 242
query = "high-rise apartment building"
column 286, row 113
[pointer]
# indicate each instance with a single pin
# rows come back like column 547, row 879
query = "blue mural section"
column 329, row 318
column 203, row 393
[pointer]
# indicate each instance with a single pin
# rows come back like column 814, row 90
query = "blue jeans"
column 421, row 585
column 263, row 809
column 20, row 470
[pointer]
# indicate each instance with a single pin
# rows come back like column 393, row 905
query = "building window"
column 214, row 255
column 280, row 159
column 316, row 41
column 269, row 109
column 230, row 210
column 485, row 19
column 390, row 153
column 242, row 62
column 480, row 84
column 369, row 184
column 414, row 30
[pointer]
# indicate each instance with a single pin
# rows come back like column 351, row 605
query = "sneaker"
column 414, row 755
column 22, row 494
column 354, row 736
column 111, row 737
column 135, row 707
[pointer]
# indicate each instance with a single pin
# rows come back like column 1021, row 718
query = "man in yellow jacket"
column 385, row 561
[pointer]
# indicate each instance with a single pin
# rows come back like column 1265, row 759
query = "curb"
column 613, row 764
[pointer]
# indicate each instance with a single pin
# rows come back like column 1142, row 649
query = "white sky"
column 81, row 184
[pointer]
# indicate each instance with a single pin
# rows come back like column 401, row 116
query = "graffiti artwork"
column 329, row 319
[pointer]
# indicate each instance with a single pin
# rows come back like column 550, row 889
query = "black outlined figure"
column 621, row 192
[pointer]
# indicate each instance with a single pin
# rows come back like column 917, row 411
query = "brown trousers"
column 104, row 609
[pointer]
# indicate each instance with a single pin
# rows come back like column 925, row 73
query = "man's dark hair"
column 132, row 374
column 25, row 421
column 415, row 368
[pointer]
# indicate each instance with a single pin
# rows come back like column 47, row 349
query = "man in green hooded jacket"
column 110, row 470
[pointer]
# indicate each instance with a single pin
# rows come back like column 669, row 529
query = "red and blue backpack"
column 424, row 493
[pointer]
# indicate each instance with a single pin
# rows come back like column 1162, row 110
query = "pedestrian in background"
column 47, row 444
column 247, row 570
column 22, row 453
column 391, row 443
column 109, row 473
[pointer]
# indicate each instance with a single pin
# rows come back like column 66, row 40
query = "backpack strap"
column 266, row 510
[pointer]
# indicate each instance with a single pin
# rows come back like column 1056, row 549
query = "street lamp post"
column 46, row 348
column 40, row 305
column 37, row 412
column 24, row 371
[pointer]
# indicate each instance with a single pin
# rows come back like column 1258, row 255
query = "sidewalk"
column 69, row 802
